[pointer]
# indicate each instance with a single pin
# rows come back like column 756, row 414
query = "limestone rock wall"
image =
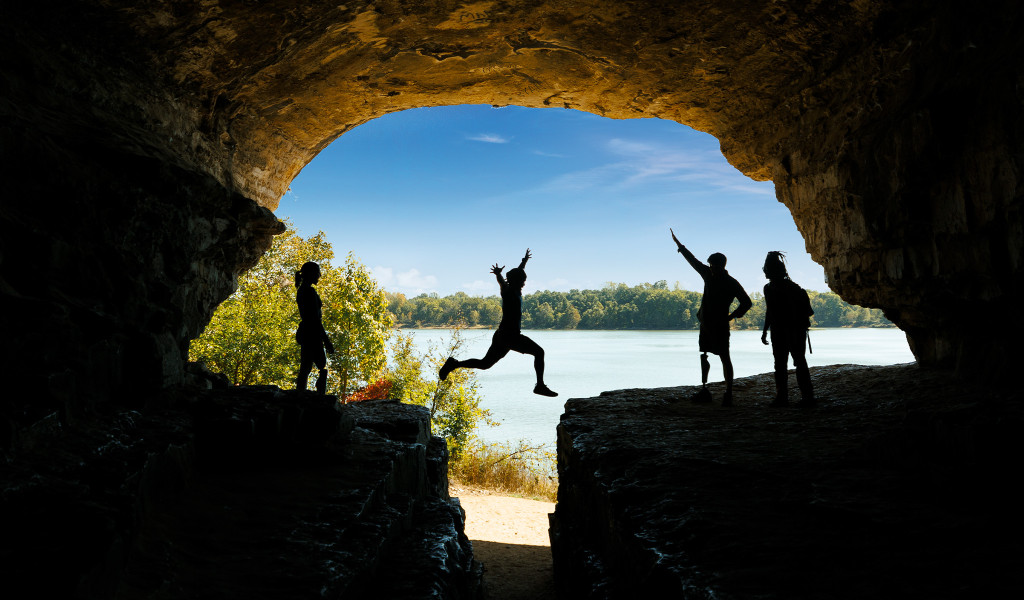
column 110, row 263
column 919, row 211
column 139, row 137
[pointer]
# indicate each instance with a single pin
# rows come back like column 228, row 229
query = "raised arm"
column 527, row 257
column 497, row 275
column 701, row 268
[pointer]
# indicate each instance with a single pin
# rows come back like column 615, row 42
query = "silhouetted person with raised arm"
column 311, row 336
column 509, row 335
column 788, row 315
column 720, row 289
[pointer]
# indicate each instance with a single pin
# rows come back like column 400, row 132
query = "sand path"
column 510, row 538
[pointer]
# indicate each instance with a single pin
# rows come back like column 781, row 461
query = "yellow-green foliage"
column 251, row 337
column 518, row 469
column 454, row 404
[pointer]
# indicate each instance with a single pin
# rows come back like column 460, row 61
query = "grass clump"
column 515, row 469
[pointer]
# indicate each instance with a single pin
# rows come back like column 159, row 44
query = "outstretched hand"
column 527, row 256
column 496, row 269
column 679, row 245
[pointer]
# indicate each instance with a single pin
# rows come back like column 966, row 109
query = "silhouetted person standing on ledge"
column 509, row 335
column 311, row 335
column 788, row 315
column 719, row 291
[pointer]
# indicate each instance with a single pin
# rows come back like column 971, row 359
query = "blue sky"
column 430, row 198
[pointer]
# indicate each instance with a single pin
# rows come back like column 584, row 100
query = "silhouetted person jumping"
column 788, row 315
column 719, row 291
column 509, row 335
column 311, row 335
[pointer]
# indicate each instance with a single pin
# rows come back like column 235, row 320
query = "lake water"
column 582, row 364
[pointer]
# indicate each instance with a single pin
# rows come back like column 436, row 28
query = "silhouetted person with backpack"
column 720, row 289
column 311, row 336
column 788, row 315
column 509, row 335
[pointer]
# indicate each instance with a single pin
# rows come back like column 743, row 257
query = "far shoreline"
column 492, row 328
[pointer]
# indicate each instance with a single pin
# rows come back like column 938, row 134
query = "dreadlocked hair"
column 775, row 265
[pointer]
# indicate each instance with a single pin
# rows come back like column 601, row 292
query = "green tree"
column 357, row 320
column 616, row 306
column 570, row 318
column 454, row 403
column 490, row 313
column 593, row 317
column 251, row 336
column 544, row 317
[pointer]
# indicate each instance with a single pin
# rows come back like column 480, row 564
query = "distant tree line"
column 615, row 306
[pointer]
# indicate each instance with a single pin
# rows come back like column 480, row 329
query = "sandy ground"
column 510, row 538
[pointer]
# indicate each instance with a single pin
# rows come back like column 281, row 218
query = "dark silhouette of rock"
column 256, row 493
column 895, row 486
column 144, row 149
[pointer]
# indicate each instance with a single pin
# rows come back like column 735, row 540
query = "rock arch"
column 145, row 141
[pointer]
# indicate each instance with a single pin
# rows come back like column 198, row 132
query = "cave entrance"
column 430, row 198
column 423, row 195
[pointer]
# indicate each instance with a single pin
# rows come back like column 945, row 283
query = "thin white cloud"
column 414, row 279
column 550, row 154
column 481, row 287
column 410, row 282
column 620, row 146
column 558, row 284
column 385, row 276
column 490, row 138
column 642, row 163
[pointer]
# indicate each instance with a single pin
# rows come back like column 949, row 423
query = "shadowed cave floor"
column 901, row 483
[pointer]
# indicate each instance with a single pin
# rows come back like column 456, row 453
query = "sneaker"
column 543, row 390
column 727, row 399
column 779, row 402
column 446, row 368
column 807, row 403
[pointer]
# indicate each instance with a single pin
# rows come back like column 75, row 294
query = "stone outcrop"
column 238, row 492
column 896, row 486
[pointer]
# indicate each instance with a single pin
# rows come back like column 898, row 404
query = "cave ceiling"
column 891, row 130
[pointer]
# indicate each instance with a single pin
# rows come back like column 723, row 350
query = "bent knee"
column 487, row 362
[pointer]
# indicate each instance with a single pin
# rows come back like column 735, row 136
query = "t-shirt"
column 720, row 289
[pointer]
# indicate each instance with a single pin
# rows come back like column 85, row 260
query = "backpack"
column 794, row 306
column 799, row 306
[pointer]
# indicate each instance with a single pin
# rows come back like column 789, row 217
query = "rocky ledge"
column 236, row 493
column 901, row 483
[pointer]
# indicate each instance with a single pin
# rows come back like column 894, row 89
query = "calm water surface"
column 581, row 364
